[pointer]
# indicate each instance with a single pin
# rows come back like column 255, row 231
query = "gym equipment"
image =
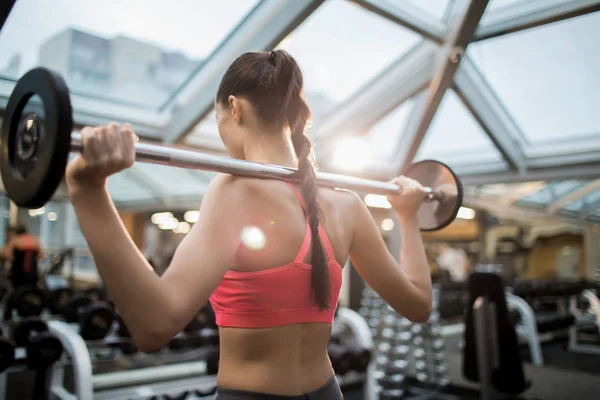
column 587, row 324
column 28, row 301
column 7, row 353
column 341, row 359
column 36, row 140
column 151, row 382
column 491, row 352
column 57, row 300
column 204, row 319
column 95, row 318
column 43, row 348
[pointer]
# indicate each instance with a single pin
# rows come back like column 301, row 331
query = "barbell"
column 37, row 138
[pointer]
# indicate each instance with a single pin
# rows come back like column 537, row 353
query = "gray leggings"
column 330, row 391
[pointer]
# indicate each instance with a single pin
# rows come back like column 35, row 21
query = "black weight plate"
column 43, row 351
column 31, row 177
column 212, row 361
column 96, row 294
column 122, row 329
column 29, row 301
column 210, row 337
column 177, row 343
column 71, row 310
column 7, row 355
column 197, row 323
column 58, row 300
column 22, row 334
column 128, row 348
column 96, row 321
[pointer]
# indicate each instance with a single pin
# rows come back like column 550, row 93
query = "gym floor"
column 565, row 375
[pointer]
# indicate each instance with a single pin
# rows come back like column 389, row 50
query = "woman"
column 274, row 303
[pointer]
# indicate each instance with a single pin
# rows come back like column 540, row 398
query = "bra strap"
column 326, row 243
column 307, row 236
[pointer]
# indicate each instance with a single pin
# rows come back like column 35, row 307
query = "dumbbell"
column 341, row 359
column 204, row 319
column 127, row 347
column 7, row 353
column 57, row 299
column 43, row 349
column 212, row 361
column 179, row 342
column 28, row 301
column 95, row 318
column 361, row 357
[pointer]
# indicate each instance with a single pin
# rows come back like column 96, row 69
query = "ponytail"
column 306, row 173
column 297, row 114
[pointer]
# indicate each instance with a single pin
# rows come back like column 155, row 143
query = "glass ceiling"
column 547, row 77
column 136, row 51
column 585, row 206
column 456, row 138
column 435, row 8
column 148, row 60
column 337, row 58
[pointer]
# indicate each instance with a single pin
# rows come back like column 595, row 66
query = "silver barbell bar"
column 165, row 155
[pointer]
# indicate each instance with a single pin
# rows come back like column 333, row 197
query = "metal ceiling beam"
column 585, row 171
column 463, row 20
column 5, row 9
column 392, row 87
column 528, row 215
column 530, row 14
column 269, row 23
column 408, row 16
column 477, row 95
column 572, row 196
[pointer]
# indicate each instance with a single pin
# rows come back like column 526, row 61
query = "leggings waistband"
column 330, row 391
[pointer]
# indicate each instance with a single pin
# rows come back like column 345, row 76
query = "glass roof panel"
column 547, row 77
column 374, row 150
column 455, row 137
column 435, row 8
column 495, row 5
column 384, row 136
column 581, row 203
column 551, row 192
column 205, row 133
column 136, row 51
column 337, row 58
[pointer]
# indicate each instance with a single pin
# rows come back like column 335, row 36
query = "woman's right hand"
column 409, row 198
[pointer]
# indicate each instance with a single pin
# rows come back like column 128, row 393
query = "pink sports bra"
column 277, row 296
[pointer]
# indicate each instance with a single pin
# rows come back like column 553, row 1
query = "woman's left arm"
column 154, row 308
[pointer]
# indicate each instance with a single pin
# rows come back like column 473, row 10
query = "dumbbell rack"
column 157, row 381
column 399, row 341
column 141, row 383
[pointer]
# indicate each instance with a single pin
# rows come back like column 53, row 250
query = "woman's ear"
column 235, row 107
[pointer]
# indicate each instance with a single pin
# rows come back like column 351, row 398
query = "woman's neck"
column 270, row 149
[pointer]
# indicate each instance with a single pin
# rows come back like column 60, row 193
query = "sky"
column 546, row 77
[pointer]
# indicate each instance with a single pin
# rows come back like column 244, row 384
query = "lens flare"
column 253, row 238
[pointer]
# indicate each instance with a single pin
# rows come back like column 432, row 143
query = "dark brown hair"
column 273, row 84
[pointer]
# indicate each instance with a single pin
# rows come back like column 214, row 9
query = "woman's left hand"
column 106, row 151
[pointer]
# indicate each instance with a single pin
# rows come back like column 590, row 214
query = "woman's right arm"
column 407, row 288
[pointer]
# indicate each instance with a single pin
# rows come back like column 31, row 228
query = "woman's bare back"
column 290, row 359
